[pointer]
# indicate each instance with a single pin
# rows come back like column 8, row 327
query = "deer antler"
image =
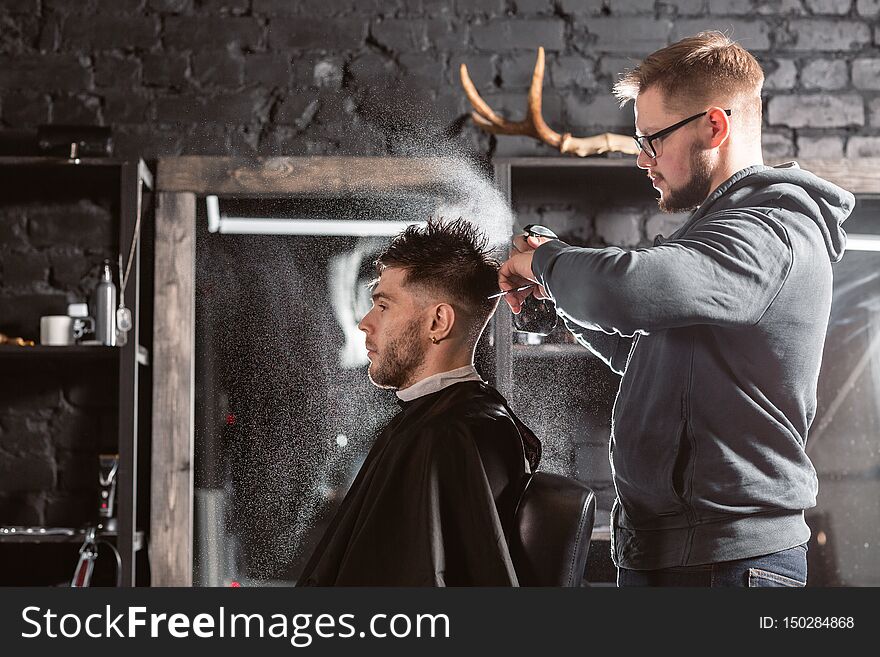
column 535, row 126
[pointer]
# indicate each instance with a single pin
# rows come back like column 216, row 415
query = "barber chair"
column 552, row 529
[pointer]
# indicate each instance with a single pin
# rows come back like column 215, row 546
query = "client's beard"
column 401, row 358
column 695, row 190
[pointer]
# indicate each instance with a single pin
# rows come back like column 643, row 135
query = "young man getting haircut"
column 434, row 502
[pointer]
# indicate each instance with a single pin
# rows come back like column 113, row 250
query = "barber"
column 717, row 331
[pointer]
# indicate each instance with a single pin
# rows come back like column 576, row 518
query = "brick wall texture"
column 293, row 77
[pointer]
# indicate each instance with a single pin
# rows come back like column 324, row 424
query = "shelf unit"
column 131, row 178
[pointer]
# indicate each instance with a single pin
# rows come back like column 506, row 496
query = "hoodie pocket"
column 682, row 467
column 676, row 477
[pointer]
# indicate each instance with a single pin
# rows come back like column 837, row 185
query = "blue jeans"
column 785, row 568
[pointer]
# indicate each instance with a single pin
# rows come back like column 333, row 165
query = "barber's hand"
column 525, row 244
column 517, row 272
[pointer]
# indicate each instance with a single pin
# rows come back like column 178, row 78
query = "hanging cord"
column 118, row 561
column 134, row 238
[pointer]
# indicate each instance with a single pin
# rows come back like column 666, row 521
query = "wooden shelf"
column 556, row 162
column 858, row 176
column 55, row 161
column 72, row 351
column 601, row 533
column 551, row 351
column 59, row 535
column 143, row 171
column 284, row 176
column 99, row 352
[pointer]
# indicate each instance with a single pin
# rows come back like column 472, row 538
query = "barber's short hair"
column 697, row 70
column 452, row 261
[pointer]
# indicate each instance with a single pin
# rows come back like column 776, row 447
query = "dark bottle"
column 536, row 315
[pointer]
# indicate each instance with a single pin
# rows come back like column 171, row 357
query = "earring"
column 433, row 340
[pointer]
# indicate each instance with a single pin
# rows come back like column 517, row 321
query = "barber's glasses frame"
column 645, row 142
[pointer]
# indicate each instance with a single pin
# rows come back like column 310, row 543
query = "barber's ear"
column 720, row 124
column 442, row 321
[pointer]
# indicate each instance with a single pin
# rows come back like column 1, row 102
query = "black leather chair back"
column 552, row 529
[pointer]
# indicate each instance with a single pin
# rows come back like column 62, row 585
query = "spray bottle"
column 537, row 315
column 105, row 307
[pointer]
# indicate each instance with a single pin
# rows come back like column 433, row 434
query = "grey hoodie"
column 718, row 332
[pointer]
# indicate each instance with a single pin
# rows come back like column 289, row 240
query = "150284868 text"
column 808, row 623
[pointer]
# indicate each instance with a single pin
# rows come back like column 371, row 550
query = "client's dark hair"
column 450, row 258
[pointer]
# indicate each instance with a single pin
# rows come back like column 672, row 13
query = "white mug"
column 56, row 330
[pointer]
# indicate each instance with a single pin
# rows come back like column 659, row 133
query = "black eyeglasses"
column 646, row 142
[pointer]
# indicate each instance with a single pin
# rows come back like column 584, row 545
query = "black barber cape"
column 434, row 502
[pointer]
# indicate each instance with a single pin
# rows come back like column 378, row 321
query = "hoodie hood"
column 787, row 187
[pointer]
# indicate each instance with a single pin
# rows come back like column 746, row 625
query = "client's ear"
column 442, row 321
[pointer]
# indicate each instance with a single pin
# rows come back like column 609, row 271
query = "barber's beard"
column 401, row 358
column 695, row 190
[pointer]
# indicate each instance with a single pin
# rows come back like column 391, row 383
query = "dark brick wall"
column 55, row 230
column 329, row 76
column 54, row 421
